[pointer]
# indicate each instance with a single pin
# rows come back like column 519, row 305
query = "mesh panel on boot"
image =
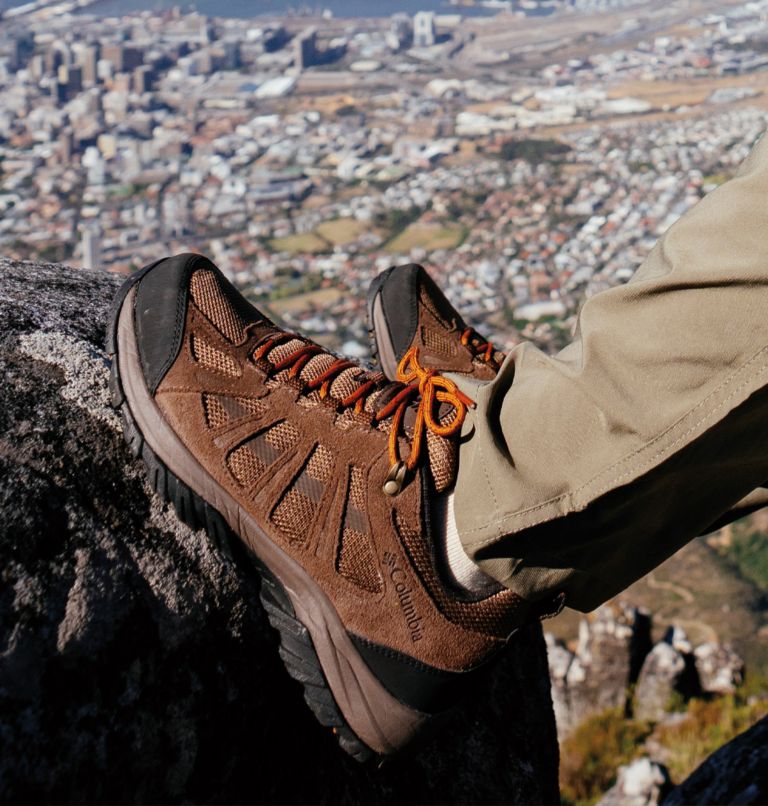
column 437, row 342
column 441, row 451
column 495, row 615
column 282, row 437
column 215, row 414
column 342, row 386
column 443, row 456
column 208, row 297
column 248, row 461
column 356, row 560
column 346, row 383
column 221, row 409
column 215, row 360
column 317, row 366
column 277, row 354
column 245, row 464
column 297, row 509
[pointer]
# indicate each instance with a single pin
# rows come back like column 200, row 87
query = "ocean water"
column 259, row 8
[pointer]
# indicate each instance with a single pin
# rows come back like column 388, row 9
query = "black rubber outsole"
column 296, row 648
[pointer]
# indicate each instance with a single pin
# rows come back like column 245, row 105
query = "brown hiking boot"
column 407, row 312
column 325, row 472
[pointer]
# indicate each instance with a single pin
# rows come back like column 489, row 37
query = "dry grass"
column 307, row 243
column 690, row 92
column 328, row 103
column 708, row 726
column 591, row 756
column 315, row 201
column 341, row 231
column 428, row 237
column 310, row 300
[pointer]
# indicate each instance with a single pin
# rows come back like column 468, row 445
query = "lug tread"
column 299, row 669
column 327, row 714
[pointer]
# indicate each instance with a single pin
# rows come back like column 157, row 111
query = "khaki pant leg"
column 582, row 471
column 751, row 502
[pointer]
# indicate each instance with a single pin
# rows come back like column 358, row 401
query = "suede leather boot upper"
column 325, row 472
column 408, row 312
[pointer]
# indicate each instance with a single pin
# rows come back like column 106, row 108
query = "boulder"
column 660, row 676
column 677, row 637
column 596, row 676
column 641, row 783
column 719, row 668
column 137, row 664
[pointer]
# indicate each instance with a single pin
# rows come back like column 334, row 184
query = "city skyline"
column 306, row 155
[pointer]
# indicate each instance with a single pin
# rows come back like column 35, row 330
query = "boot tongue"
column 443, row 453
column 440, row 452
column 382, row 396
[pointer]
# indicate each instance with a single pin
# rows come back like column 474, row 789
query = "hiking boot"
column 407, row 312
column 326, row 473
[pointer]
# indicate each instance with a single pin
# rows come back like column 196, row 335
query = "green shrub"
column 591, row 756
column 532, row 150
column 749, row 550
column 709, row 725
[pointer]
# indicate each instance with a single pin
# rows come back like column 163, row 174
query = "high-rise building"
column 207, row 31
column 132, row 58
column 142, row 79
column 22, row 49
column 69, row 83
column 424, row 29
column 66, row 145
column 89, row 62
column 113, row 53
column 124, row 59
column 275, row 37
column 104, row 70
column 74, row 80
column 37, row 66
column 91, row 246
column 305, row 49
column 232, row 56
column 400, row 34
column 57, row 55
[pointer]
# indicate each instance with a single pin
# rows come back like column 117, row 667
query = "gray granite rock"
column 642, row 783
column 596, row 676
column 136, row 665
column 660, row 677
column 720, row 669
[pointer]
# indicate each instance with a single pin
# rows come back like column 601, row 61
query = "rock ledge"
column 137, row 666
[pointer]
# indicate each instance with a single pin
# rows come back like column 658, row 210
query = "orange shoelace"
column 471, row 338
column 430, row 388
column 433, row 389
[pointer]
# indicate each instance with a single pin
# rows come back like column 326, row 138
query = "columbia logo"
column 400, row 580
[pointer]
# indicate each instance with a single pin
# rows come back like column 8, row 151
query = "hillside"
column 703, row 590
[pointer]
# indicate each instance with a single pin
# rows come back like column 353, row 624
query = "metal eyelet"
column 395, row 479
